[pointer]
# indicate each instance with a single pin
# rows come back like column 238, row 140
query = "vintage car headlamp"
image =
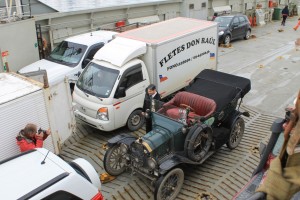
column 184, row 130
column 221, row 33
column 151, row 163
column 147, row 114
column 102, row 114
column 124, row 148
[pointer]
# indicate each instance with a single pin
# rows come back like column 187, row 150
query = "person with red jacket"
column 30, row 138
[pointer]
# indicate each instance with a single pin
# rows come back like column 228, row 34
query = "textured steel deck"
column 220, row 177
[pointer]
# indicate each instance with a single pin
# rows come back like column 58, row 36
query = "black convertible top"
column 219, row 86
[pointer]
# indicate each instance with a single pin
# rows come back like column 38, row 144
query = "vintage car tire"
column 135, row 120
column 194, row 141
column 167, row 185
column 114, row 152
column 236, row 133
column 188, row 137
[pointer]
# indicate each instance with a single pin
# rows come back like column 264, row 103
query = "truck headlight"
column 102, row 114
column 151, row 163
column 221, row 32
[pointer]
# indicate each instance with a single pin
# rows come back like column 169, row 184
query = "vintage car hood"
column 162, row 131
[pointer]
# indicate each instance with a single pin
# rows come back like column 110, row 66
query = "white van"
column 71, row 56
column 110, row 92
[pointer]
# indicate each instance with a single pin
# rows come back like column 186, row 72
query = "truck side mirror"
column 120, row 93
column 85, row 62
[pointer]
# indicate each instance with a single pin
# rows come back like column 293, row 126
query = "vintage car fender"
column 233, row 117
column 122, row 138
column 168, row 165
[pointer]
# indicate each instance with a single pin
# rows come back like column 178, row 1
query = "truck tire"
column 114, row 161
column 199, row 143
column 168, row 186
column 236, row 133
column 135, row 120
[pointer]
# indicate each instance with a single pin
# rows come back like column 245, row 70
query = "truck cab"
column 71, row 56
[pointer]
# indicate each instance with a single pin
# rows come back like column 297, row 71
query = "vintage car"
column 188, row 129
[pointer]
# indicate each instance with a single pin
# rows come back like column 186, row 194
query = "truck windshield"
column 67, row 53
column 97, row 80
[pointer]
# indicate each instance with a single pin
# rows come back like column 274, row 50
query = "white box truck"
column 71, row 56
column 24, row 100
column 110, row 92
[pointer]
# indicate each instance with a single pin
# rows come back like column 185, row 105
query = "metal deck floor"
column 220, row 177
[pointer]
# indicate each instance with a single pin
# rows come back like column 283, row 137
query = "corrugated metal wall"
column 14, row 116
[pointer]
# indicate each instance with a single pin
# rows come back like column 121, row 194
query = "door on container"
column 61, row 112
column 134, row 84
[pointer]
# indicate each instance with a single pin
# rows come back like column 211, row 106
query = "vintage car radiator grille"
column 137, row 155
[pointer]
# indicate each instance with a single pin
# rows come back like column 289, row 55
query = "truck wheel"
column 199, row 143
column 114, row 161
column 168, row 186
column 236, row 133
column 135, row 120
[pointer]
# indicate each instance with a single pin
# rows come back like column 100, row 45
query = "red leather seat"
column 202, row 106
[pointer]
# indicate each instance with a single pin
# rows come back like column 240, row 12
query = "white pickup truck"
column 71, row 56
column 110, row 92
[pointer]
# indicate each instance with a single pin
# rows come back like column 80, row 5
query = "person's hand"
column 39, row 136
column 48, row 132
column 143, row 113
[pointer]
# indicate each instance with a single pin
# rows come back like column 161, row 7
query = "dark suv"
column 232, row 27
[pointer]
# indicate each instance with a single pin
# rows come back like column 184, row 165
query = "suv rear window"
column 61, row 195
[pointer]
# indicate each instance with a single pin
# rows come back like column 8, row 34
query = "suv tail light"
column 98, row 196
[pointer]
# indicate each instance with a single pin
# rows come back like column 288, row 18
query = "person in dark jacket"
column 285, row 14
column 29, row 137
column 151, row 94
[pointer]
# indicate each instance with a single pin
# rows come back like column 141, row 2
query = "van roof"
column 25, row 172
column 167, row 30
column 92, row 37
column 13, row 86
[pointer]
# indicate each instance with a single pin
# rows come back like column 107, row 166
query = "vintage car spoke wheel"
column 135, row 120
column 168, row 187
column 236, row 133
column 114, row 161
column 227, row 40
column 199, row 143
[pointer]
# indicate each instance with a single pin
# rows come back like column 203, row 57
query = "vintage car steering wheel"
column 182, row 105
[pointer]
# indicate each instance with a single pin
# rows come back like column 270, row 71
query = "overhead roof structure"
column 71, row 5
